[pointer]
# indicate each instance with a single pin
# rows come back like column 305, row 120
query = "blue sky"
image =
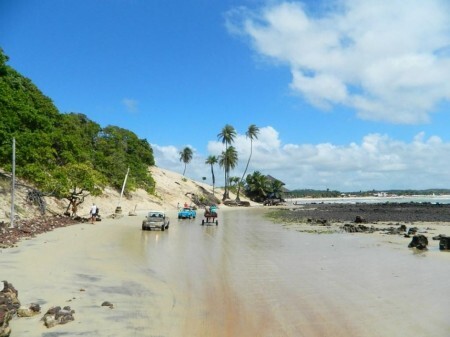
column 348, row 94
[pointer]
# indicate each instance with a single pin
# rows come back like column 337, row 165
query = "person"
column 93, row 213
column 186, row 205
column 74, row 209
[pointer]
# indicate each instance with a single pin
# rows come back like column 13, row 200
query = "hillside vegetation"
column 65, row 154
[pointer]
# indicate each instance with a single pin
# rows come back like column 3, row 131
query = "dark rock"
column 56, row 315
column 412, row 230
column 108, row 304
column 396, row 230
column 35, row 307
column 350, row 228
column 419, row 241
column 9, row 304
column 444, row 243
column 359, row 219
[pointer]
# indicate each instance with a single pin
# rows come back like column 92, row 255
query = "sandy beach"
column 245, row 277
column 248, row 276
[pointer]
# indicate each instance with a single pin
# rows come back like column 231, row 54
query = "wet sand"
column 245, row 277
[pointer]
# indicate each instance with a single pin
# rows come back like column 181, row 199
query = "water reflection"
column 250, row 277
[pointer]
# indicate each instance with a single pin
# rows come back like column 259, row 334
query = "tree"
column 48, row 141
column 258, row 186
column 211, row 160
column 186, row 156
column 76, row 181
column 228, row 160
column 226, row 136
column 276, row 188
column 252, row 133
column 116, row 149
column 3, row 59
column 233, row 183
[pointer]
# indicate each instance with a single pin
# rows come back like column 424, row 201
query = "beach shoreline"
column 84, row 265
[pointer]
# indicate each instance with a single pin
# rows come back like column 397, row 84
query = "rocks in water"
column 10, row 306
column 360, row 219
column 108, row 304
column 419, row 242
column 412, row 230
column 31, row 311
column 395, row 230
column 350, row 228
column 444, row 243
column 56, row 315
column 438, row 237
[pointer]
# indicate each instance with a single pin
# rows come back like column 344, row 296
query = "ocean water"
column 436, row 199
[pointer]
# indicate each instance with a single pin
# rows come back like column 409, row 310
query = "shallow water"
column 244, row 277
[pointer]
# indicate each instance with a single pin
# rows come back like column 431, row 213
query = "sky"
column 348, row 95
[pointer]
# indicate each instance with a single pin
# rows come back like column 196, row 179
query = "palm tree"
column 227, row 136
column 228, row 160
column 234, row 181
column 258, row 186
column 276, row 187
column 252, row 133
column 186, row 156
column 211, row 160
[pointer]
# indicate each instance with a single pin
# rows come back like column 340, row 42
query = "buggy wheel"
column 163, row 228
column 217, row 222
column 203, row 222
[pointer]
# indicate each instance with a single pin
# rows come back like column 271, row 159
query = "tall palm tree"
column 228, row 160
column 226, row 136
column 186, row 157
column 211, row 160
column 252, row 133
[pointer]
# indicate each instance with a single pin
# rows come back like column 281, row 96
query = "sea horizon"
column 433, row 199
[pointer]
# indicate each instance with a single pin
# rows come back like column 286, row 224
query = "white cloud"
column 376, row 162
column 130, row 104
column 387, row 59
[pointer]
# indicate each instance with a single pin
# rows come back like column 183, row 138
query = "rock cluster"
column 371, row 213
column 9, row 303
column 58, row 315
column 350, row 228
column 10, row 306
column 30, row 311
